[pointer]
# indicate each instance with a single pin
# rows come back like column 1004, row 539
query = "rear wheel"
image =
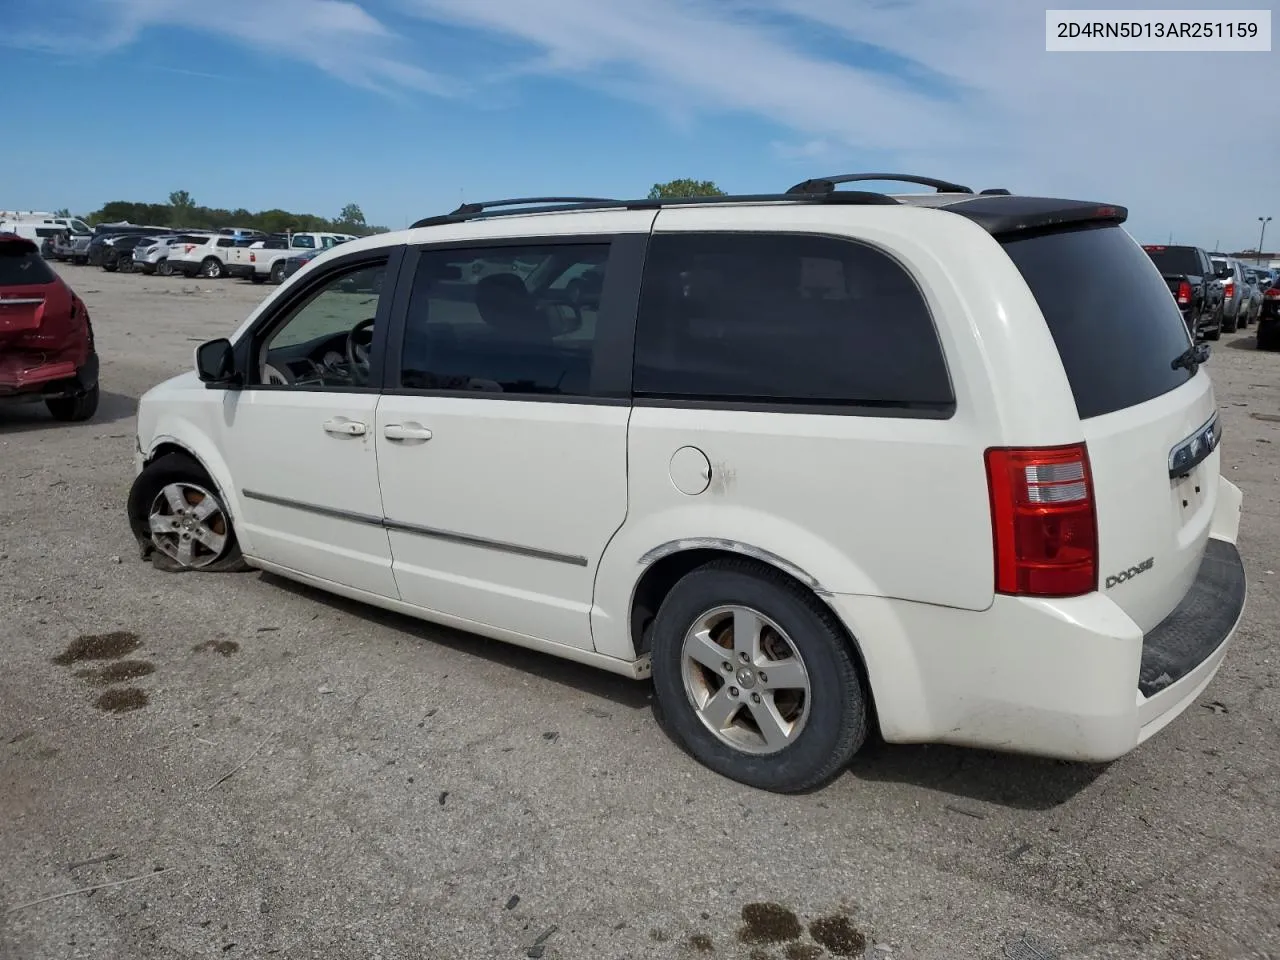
column 1230, row 326
column 755, row 679
column 211, row 268
column 277, row 272
column 74, row 409
column 109, row 266
column 177, row 514
column 1216, row 333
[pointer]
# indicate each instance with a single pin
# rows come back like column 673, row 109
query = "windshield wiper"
column 1192, row 357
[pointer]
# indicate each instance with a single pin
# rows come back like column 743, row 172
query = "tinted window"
column 1185, row 260
column 226, row 242
column 1112, row 317
column 784, row 319
column 20, row 265
column 505, row 319
column 305, row 242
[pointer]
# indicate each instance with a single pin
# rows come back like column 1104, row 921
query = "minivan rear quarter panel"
column 864, row 503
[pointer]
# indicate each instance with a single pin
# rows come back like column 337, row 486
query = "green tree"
column 181, row 199
column 62, row 212
column 353, row 215
column 685, row 188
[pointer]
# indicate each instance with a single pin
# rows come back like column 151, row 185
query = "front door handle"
column 406, row 431
column 342, row 427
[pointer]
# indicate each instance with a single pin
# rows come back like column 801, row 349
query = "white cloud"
column 1162, row 134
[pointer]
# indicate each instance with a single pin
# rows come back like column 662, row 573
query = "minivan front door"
column 299, row 439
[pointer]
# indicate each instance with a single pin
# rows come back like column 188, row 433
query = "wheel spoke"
column 706, row 651
column 776, row 731
column 205, row 508
column 186, row 552
column 214, row 541
column 173, row 495
column 720, row 709
column 160, row 523
column 784, row 675
column 747, row 626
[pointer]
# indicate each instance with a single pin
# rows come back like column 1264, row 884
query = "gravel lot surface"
column 320, row 779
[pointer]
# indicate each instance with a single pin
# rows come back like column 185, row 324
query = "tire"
column 211, row 268
column 1230, row 326
column 109, row 267
column 75, row 409
column 163, row 268
column 828, row 724
column 257, row 277
column 151, row 494
column 1268, row 338
column 1217, row 328
column 277, row 273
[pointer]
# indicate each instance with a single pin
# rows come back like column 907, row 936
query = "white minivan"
column 946, row 464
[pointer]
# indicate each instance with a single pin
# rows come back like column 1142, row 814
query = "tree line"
column 183, row 212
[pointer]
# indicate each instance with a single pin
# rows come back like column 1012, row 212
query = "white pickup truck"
column 264, row 259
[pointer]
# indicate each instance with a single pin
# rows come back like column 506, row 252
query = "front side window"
column 326, row 340
column 307, row 243
column 784, row 319
column 504, row 319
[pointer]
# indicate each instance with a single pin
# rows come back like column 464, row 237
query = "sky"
column 407, row 107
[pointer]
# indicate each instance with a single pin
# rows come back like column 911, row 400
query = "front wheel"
column 177, row 514
column 754, row 677
column 211, row 269
column 277, row 272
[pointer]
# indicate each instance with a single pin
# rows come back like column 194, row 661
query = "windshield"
column 1115, row 324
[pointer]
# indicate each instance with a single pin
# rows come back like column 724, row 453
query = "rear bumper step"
column 1199, row 624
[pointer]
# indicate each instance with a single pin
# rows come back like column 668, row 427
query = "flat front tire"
column 754, row 677
column 177, row 514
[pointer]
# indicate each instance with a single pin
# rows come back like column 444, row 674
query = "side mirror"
column 216, row 363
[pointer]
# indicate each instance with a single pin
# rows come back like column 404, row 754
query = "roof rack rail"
column 828, row 184
column 472, row 211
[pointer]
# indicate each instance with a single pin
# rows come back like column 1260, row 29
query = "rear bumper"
column 46, row 381
column 1073, row 679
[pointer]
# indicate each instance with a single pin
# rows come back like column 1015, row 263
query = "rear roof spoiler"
column 1002, row 215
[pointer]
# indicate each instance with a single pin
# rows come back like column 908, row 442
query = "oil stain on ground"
column 117, row 672
column 122, row 700
column 224, row 647
column 701, row 943
column 768, row 923
column 98, row 646
column 839, row 936
column 802, row 951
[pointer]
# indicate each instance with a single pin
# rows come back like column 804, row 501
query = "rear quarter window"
column 1116, row 326
column 785, row 319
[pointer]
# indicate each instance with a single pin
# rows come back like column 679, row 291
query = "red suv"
column 46, row 341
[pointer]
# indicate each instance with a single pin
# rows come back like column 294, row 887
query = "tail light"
column 1272, row 294
column 1184, row 292
column 253, row 258
column 1044, row 526
column 1229, row 289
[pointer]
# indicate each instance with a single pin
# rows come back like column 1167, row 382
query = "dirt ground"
column 262, row 770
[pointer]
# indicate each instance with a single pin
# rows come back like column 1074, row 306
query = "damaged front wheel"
column 177, row 515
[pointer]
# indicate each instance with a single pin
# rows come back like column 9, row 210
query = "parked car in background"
column 1190, row 276
column 42, row 226
column 105, row 232
column 205, row 258
column 118, row 254
column 153, row 255
column 46, row 339
column 1269, row 317
column 295, row 262
column 267, row 258
column 1229, row 274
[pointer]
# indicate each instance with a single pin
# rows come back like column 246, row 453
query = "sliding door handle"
column 342, row 427
column 406, row 431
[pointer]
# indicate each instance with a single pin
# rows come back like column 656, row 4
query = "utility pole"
column 1262, row 236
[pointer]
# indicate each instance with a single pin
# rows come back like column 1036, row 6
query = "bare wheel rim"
column 745, row 679
column 188, row 525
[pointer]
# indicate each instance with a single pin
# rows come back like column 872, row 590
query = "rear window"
column 20, row 265
column 1176, row 260
column 1112, row 317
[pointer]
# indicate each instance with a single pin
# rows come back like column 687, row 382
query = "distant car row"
column 1220, row 294
column 230, row 252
